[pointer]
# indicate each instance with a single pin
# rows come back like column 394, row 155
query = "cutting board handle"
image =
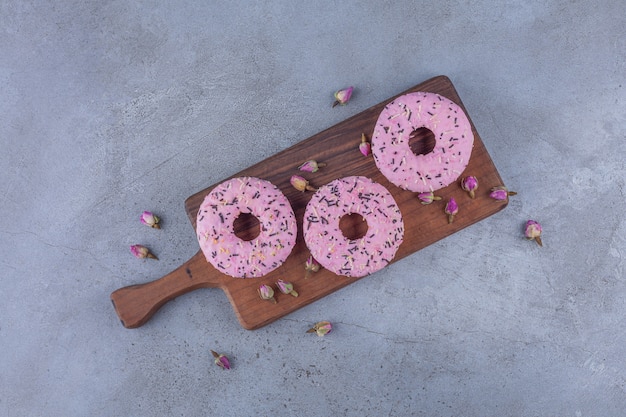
column 136, row 304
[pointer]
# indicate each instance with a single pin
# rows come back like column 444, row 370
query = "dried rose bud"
column 149, row 219
column 221, row 360
column 286, row 287
column 532, row 231
column 141, row 252
column 311, row 166
column 428, row 197
column 470, row 184
column 321, row 328
column 364, row 146
column 301, row 184
column 310, row 265
column 501, row 193
column 266, row 293
column 343, row 96
column 451, row 209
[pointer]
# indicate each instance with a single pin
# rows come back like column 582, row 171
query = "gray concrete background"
column 109, row 108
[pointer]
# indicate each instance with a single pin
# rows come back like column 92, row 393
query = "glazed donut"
column 326, row 241
column 232, row 255
column 453, row 142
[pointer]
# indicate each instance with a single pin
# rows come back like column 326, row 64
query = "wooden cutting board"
column 338, row 148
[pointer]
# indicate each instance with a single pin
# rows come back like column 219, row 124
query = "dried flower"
column 428, row 197
column 310, row 265
column 501, row 193
column 221, row 360
column 266, row 293
column 141, row 252
column 532, row 231
column 451, row 209
column 311, row 166
column 301, row 184
column 470, row 184
column 286, row 287
column 365, row 146
column 149, row 219
column 343, row 96
column 321, row 328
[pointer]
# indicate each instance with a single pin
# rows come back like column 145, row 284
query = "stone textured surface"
column 108, row 108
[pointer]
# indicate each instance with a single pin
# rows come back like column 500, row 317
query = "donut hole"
column 246, row 226
column 422, row 141
column 353, row 226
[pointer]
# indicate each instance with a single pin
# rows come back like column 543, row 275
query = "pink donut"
column 326, row 241
column 453, row 142
column 232, row 255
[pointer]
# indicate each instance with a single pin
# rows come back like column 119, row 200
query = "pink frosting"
column 232, row 255
column 326, row 241
column 453, row 142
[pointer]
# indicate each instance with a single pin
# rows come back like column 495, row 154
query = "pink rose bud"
column 266, row 293
column 469, row 184
column 343, row 96
column 142, row 252
column 286, row 287
column 428, row 197
column 311, row 166
column 451, row 209
column 532, row 231
column 501, row 193
column 364, row 146
column 310, row 265
column 321, row 328
column 150, row 219
column 301, row 184
column 221, row 360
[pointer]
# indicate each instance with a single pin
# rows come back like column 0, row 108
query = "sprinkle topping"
column 233, row 255
column 327, row 243
column 453, row 142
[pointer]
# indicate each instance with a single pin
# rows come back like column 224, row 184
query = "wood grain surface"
column 338, row 148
